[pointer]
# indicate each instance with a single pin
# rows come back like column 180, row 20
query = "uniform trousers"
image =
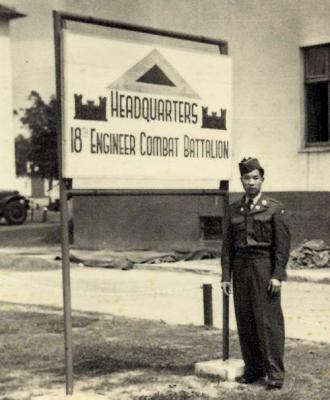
column 259, row 317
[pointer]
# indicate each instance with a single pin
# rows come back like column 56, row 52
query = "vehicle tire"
column 15, row 213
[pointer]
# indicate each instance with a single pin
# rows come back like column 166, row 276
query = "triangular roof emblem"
column 154, row 74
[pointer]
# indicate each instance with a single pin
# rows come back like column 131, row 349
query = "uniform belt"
column 253, row 252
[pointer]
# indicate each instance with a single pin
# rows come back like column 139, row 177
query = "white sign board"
column 140, row 112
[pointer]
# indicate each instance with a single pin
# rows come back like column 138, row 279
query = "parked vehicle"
column 13, row 207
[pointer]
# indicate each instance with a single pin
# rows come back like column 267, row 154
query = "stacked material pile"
column 200, row 254
column 126, row 260
column 310, row 254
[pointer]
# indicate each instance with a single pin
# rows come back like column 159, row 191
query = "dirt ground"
column 173, row 297
column 135, row 359
column 138, row 333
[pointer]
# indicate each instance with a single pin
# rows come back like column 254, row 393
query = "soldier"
column 254, row 255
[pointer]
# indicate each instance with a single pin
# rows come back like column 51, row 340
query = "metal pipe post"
column 63, row 183
column 208, row 304
column 44, row 214
column 225, row 328
column 224, row 185
column 66, row 288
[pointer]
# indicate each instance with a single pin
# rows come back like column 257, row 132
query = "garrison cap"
column 249, row 164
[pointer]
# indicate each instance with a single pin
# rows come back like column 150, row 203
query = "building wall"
column 263, row 43
column 7, row 149
column 167, row 223
column 137, row 222
column 264, row 40
column 314, row 22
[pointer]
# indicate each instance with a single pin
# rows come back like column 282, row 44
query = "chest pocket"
column 238, row 223
column 262, row 227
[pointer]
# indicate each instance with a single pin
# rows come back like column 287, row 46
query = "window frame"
column 308, row 80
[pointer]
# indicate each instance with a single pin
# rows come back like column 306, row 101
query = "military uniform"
column 256, row 249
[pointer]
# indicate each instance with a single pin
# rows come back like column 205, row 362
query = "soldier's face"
column 252, row 182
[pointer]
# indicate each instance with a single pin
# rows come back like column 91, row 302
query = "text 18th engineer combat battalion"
column 146, row 145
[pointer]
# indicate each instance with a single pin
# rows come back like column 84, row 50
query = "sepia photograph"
column 165, row 199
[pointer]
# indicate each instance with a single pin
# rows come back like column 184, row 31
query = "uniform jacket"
column 260, row 231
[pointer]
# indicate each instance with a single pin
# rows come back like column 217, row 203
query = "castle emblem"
column 90, row 110
column 213, row 121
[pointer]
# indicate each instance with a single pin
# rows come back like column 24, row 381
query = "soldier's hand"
column 226, row 288
column 274, row 286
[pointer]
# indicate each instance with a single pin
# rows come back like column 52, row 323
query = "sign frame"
column 65, row 184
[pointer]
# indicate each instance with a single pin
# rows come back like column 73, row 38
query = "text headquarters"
column 100, row 141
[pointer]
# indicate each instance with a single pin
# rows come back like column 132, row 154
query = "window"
column 211, row 228
column 317, row 94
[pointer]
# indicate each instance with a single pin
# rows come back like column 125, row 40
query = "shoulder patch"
column 276, row 204
column 273, row 200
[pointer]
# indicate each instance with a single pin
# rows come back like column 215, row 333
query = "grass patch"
column 171, row 395
column 137, row 359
